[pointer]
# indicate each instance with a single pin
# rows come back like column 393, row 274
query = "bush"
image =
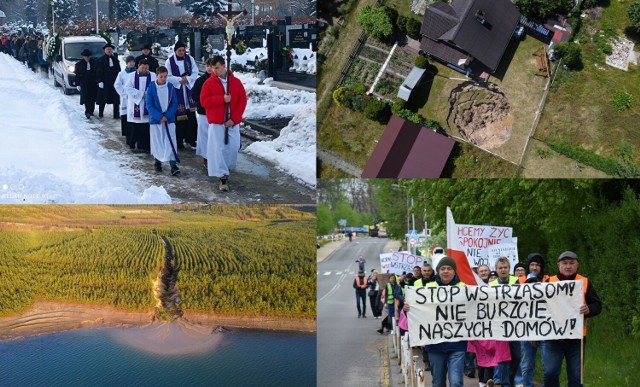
column 401, row 23
column 375, row 22
column 343, row 96
column 586, row 157
column 621, row 101
column 413, row 28
column 359, row 102
column 421, row 61
column 607, row 49
column 634, row 15
column 398, row 104
column 391, row 13
column 377, row 110
column 571, row 54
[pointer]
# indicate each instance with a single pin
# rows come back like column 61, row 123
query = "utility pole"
column 97, row 25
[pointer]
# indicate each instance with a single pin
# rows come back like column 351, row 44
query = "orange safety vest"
column 585, row 283
column 521, row 280
column 358, row 283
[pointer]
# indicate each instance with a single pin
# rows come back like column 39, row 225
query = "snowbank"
column 266, row 101
column 50, row 154
column 295, row 150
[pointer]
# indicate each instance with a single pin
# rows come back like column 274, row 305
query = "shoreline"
column 45, row 317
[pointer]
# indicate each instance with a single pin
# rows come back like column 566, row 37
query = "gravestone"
column 254, row 36
column 136, row 40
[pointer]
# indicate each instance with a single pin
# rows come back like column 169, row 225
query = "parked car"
column 382, row 233
column 65, row 60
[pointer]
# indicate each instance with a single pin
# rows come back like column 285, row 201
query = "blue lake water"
column 92, row 357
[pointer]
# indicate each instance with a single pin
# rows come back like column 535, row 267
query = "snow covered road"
column 50, row 154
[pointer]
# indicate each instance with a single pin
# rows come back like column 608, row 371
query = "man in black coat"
column 85, row 71
column 146, row 54
column 107, row 70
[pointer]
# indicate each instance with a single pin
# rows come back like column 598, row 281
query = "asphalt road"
column 254, row 181
column 350, row 351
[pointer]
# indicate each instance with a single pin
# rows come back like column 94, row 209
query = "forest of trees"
column 111, row 255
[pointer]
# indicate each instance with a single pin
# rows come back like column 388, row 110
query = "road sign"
column 413, row 233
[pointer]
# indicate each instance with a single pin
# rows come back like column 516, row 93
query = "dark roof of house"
column 457, row 24
column 407, row 150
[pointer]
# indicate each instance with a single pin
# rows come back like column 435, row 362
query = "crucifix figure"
column 229, row 17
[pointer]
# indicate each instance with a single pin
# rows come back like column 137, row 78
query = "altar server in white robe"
column 162, row 103
column 137, row 113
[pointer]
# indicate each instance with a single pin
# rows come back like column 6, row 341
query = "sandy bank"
column 49, row 317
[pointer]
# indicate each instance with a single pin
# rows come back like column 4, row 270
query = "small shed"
column 408, row 150
column 412, row 80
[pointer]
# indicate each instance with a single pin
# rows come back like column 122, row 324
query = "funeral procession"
column 159, row 102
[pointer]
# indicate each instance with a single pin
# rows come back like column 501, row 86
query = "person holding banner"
column 162, row 104
column 483, row 273
column 570, row 349
column 447, row 358
column 360, row 285
column 508, row 368
column 535, row 264
column 520, row 271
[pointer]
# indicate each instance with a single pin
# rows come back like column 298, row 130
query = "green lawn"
column 517, row 80
column 578, row 109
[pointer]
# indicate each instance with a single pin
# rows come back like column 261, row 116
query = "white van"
column 65, row 60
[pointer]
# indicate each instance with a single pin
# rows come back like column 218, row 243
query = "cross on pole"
column 229, row 17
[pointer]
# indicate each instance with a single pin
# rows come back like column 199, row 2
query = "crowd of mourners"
column 493, row 362
column 27, row 48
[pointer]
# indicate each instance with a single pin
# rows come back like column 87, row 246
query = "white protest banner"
column 509, row 250
column 537, row 311
column 475, row 240
column 400, row 261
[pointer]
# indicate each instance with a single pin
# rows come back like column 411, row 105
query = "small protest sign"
column 399, row 262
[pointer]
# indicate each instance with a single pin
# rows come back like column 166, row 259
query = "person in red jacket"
column 224, row 99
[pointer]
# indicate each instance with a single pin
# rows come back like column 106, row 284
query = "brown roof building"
column 407, row 150
column 469, row 33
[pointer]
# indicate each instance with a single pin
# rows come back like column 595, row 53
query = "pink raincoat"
column 489, row 352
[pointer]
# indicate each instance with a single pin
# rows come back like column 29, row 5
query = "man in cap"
column 119, row 85
column 224, row 99
column 137, row 112
column 107, row 70
column 183, row 73
column 447, row 358
column 146, row 54
column 360, row 285
column 570, row 349
column 85, row 70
